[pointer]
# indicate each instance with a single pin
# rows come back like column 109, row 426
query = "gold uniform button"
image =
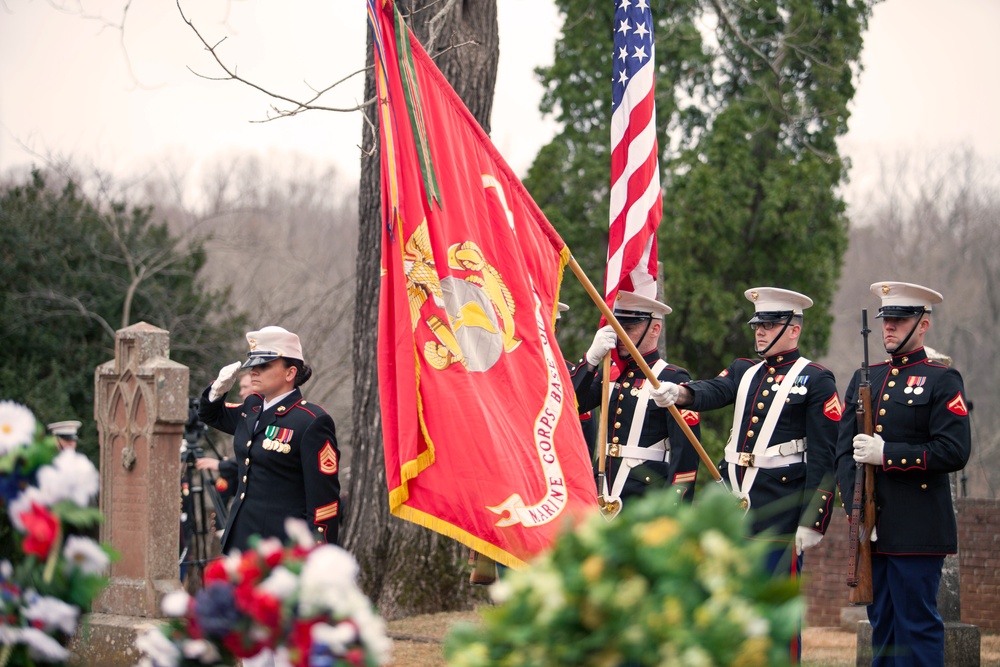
column 765, row 393
column 760, row 406
column 903, row 462
column 320, row 529
column 910, row 402
column 918, row 461
column 817, row 524
column 906, row 360
column 784, row 479
column 621, row 397
column 881, row 413
column 788, row 400
column 820, row 510
column 885, row 397
column 889, row 462
column 879, row 428
column 771, row 370
column 647, row 480
column 892, row 383
column 923, row 486
column 625, row 384
column 247, row 462
column 631, row 374
column 249, row 442
column 618, row 424
column 614, row 440
column 770, row 380
column 779, row 360
column 244, row 479
column 895, row 371
column 749, row 434
column 754, row 419
column 822, row 498
column 618, row 411
column 242, row 496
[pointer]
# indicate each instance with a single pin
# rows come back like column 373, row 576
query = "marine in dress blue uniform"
column 922, row 433
column 646, row 448
column 285, row 446
column 780, row 453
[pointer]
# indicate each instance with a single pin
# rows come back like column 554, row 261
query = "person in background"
column 779, row 457
column 921, row 434
column 66, row 433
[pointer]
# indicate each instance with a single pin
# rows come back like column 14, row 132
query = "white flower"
column 161, row 651
column 175, row 604
column 268, row 546
column 298, row 531
column 43, row 647
column 85, row 555
column 52, row 613
column 71, row 476
column 6, row 569
column 22, row 504
column 328, row 577
column 202, row 651
column 338, row 638
column 17, row 426
column 281, row 583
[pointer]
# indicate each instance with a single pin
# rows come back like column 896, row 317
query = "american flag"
column 636, row 202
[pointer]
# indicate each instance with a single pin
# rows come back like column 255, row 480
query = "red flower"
column 215, row 572
column 42, row 527
column 250, row 568
column 300, row 642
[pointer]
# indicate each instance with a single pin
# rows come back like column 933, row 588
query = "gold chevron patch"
column 327, row 511
column 328, row 459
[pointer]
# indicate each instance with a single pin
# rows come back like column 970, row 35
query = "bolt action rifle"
column 859, row 567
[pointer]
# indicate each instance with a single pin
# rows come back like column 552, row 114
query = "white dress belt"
column 775, row 456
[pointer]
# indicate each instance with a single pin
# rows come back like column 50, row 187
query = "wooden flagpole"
column 643, row 366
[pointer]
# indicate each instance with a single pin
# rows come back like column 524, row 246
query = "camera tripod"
column 203, row 511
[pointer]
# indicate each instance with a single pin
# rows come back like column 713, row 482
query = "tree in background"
column 751, row 98
column 74, row 270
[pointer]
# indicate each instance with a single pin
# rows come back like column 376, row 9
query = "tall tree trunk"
column 407, row 569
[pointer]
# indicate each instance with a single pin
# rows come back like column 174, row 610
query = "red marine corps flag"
column 482, row 439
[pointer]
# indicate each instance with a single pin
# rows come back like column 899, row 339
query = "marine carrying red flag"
column 482, row 439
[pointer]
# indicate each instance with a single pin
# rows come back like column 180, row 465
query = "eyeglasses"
column 766, row 326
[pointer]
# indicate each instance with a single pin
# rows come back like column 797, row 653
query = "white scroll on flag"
column 636, row 201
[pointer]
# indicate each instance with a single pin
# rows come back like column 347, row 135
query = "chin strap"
column 784, row 327
column 916, row 323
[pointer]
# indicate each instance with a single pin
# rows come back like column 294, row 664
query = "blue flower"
column 215, row 608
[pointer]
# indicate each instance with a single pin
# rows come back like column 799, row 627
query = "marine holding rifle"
column 921, row 433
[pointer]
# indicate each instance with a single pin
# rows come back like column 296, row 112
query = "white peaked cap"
column 904, row 299
column 630, row 304
column 777, row 300
column 271, row 343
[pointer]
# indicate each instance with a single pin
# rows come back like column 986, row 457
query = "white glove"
column 868, row 449
column 806, row 538
column 666, row 394
column 605, row 340
column 225, row 381
column 874, row 534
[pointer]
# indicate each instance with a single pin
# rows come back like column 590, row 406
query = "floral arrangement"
column 48, row 575
column 300, row 601
column 659, row 585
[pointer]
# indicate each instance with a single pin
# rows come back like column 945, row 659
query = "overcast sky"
column 73, row 87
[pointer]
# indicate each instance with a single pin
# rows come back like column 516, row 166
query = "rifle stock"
column 859, row 569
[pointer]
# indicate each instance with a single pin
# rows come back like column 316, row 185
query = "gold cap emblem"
column 885, row 290
column 754, row 295
column 253, row 344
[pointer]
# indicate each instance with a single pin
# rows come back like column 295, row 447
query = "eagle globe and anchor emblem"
column 479, row 308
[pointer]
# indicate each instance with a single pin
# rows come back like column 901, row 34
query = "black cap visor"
column 627, row 317
column 902, row 311
column 770, row 316
column 259, row 358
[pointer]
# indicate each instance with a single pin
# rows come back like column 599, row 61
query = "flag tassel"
column 643, row 366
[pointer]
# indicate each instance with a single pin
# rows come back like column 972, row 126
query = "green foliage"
column 72, row 273
column 750, row 99
column 662, row 584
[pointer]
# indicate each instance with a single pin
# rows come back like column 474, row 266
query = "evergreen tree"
column 750, row 100
column 71, row 274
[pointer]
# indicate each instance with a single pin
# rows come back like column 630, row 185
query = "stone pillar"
column 140, row 406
